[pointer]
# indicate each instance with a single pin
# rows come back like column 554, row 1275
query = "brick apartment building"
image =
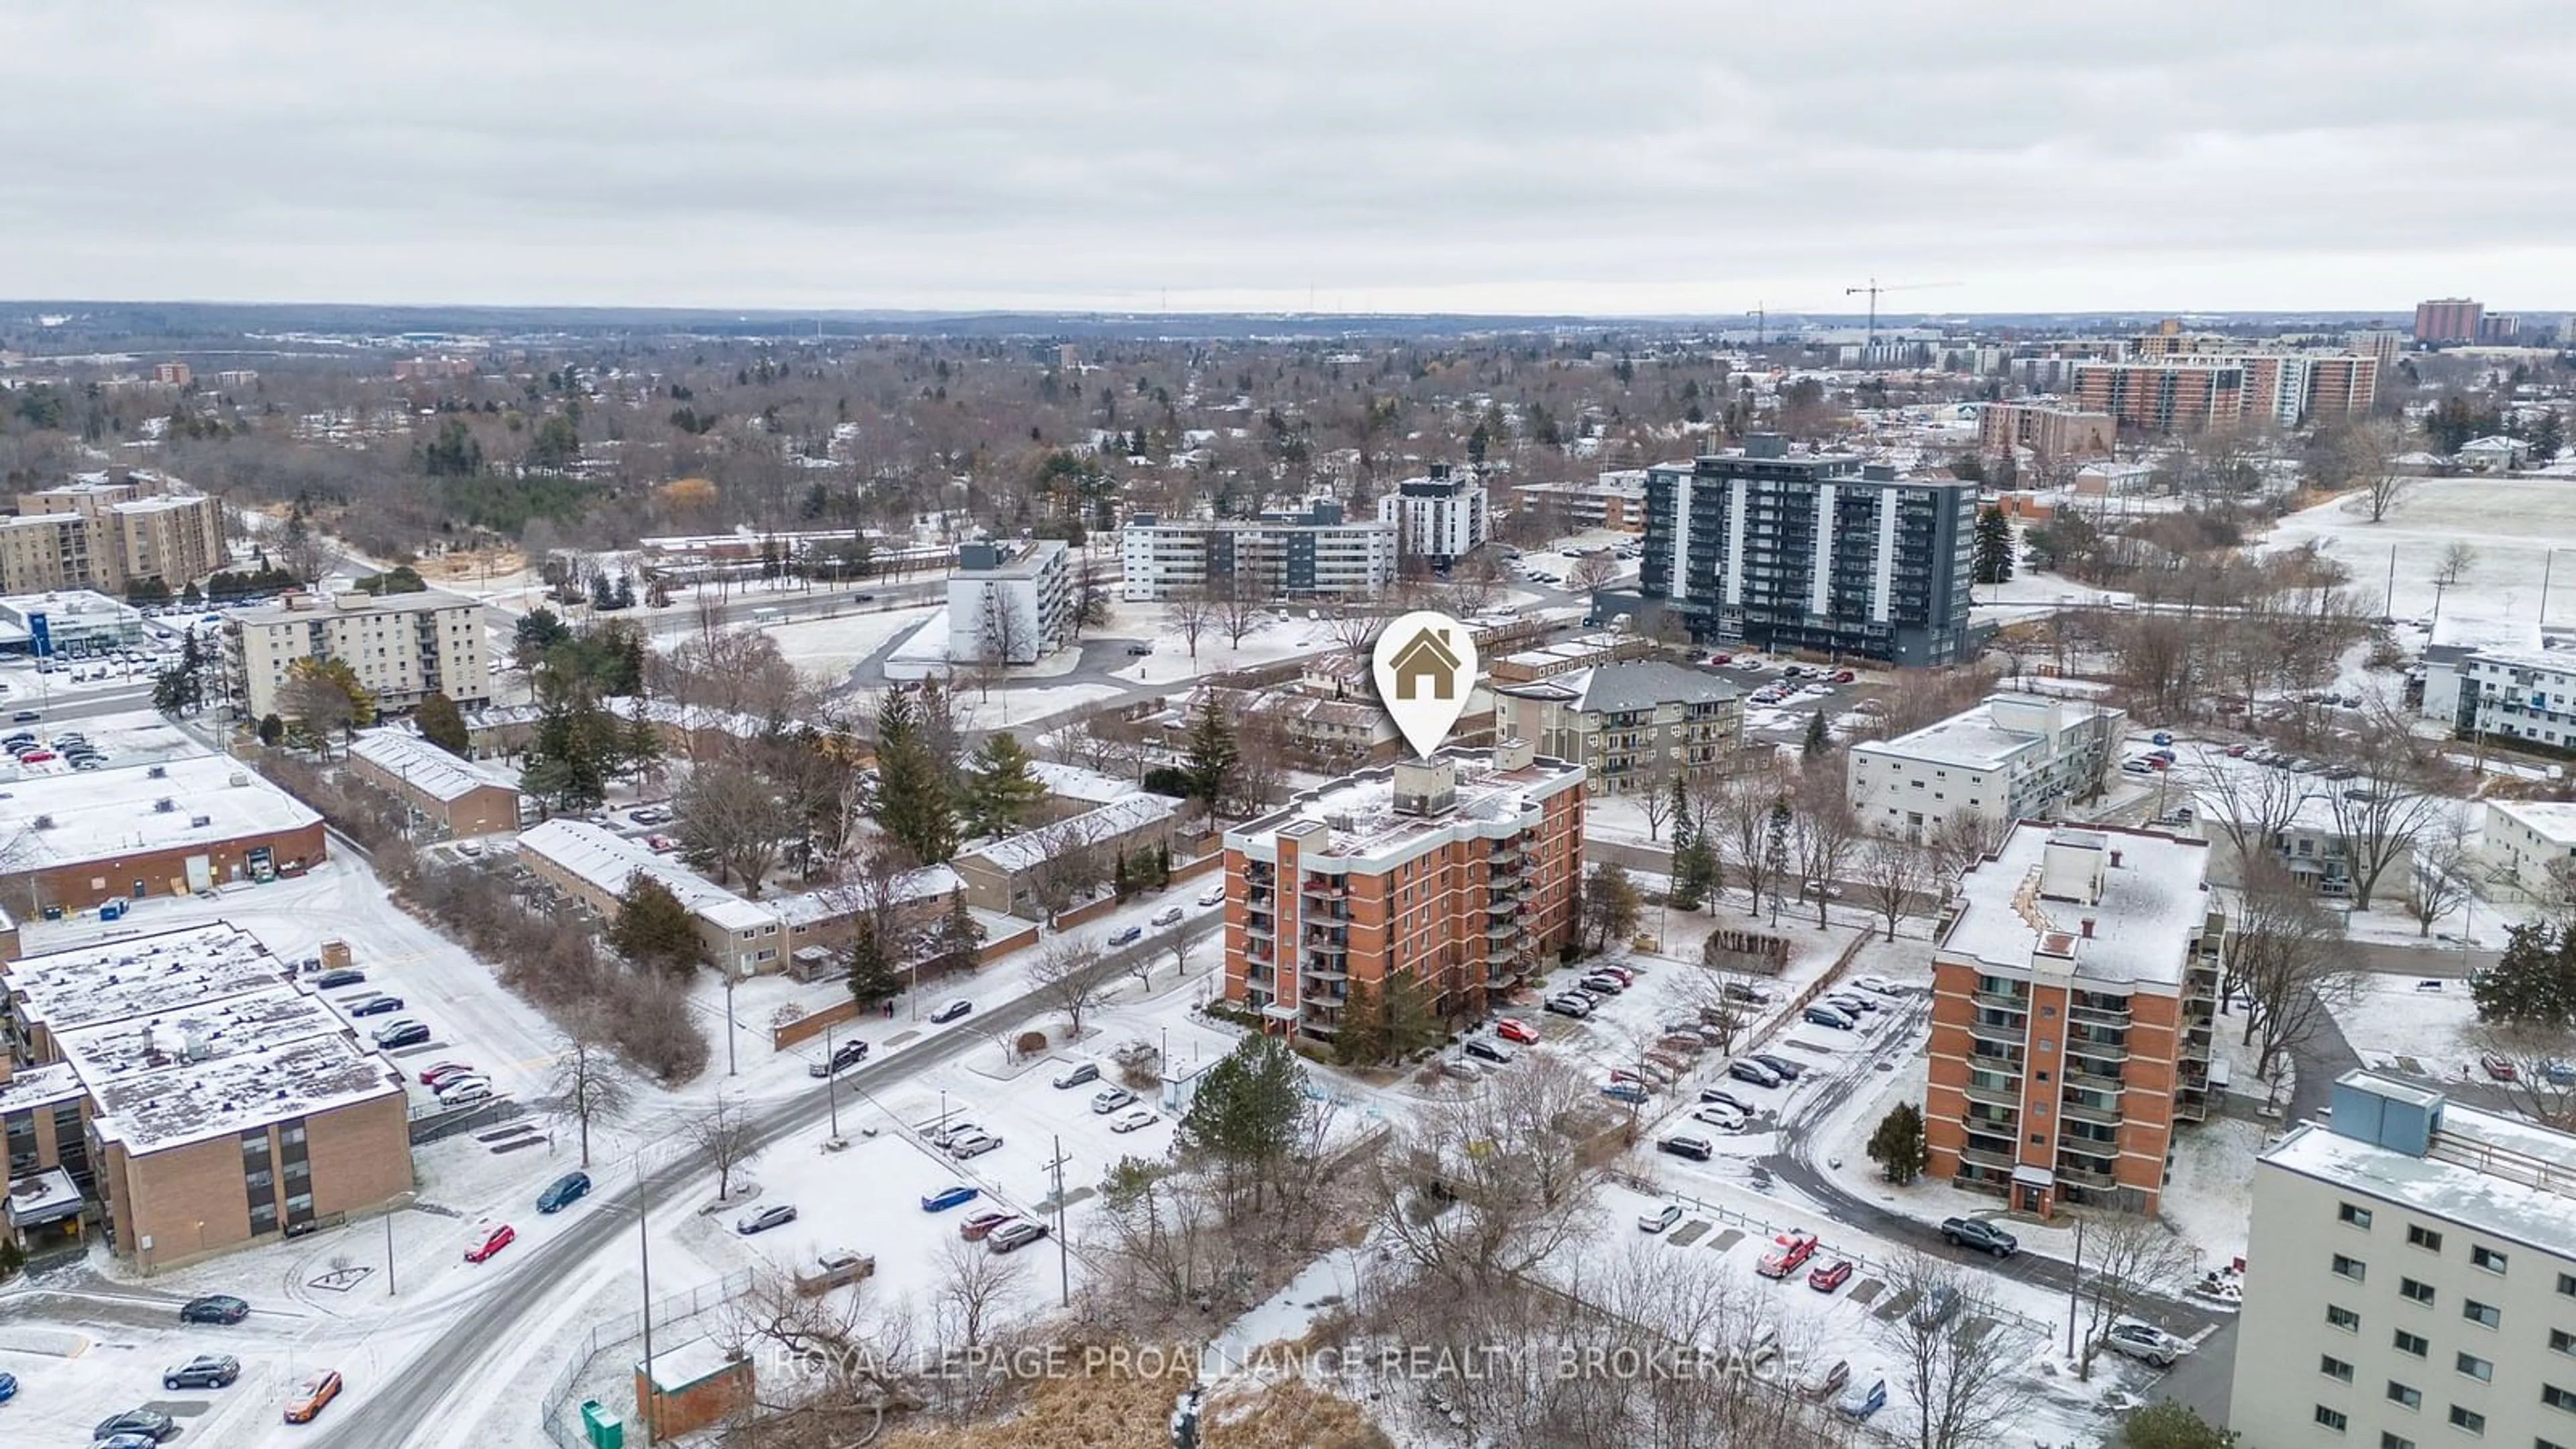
column 134, row 831
column 2046, row 429
column 2448, row 319
column 196, row 1095
column 1457, row 872
column 111, row 534
column 2194, row 392
column 2074, row 982
column 459, row 797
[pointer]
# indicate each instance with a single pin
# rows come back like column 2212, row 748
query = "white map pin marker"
column 1426, row 664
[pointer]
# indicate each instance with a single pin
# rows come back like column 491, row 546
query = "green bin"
column 605, row 1428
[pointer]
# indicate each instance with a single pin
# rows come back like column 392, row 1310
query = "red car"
column 1512, row 1028
column 1721, row 659
column 1831, row 1276
column 1791, row 1253
column 1843, row 676
column 2497, row 1067
column 981, row 1226
column 1620, row 974
column 2236, row 752
column 437, row 1072
column 494, row 1241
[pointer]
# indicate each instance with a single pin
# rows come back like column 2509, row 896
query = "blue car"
column 949, row 1197
column 1859, row 1403
column 375, row 1005
column 8, row 1387
column 563, row 1192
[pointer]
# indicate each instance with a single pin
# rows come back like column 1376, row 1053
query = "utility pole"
column 2388, row 600
column 1063, row 1255
column 2075, row 1288
column 389, row 1255
column 644, row 1254
column 729, row 1063
column 2547, row 561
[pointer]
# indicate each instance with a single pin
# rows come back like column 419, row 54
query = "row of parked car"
column 71, row 747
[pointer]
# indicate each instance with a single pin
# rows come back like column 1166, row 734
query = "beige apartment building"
column 109, row 536
column 402, row 646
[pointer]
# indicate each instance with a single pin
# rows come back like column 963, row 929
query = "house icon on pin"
column 1426, row 658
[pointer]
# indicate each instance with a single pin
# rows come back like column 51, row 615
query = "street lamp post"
column 729, row 1061
column 831, row 1085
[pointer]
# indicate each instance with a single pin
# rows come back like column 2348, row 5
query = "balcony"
column 1316, row 970
column 2093, row 1081
column 1316, row 890
column 2019, row 1005
column 1502, row 906
column 2002, row 1066
column 2083, row 1177
column 2098, row 1050
column 2087, row 1112
column 2000, row 1161
column 2100, row 1016
column 1999, row 1096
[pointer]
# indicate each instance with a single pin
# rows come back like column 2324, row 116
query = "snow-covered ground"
column 2512, row 523
column 831, row 645
column 2420, row 1032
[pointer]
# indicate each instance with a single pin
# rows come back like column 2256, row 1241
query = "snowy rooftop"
column 2154, row 897
column 1632, row 685
column 2549, row 819
column 307, row 608
column 695, row 1361
column 119, row 811
column 424, row 766
column 689, row 717
column 1973, row 740
column 148, row 1107
column 225, row 1026
column 609, row 861
column 931, row 882
column 1359, row 810
column 1118, row 817
column 2460, row 633
column 2506, row 1196
column 143, row 976
column 34, row 1087
column 1073, row 782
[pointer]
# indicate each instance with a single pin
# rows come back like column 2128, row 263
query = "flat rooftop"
column 228, row 1026
column 32, row 1087
column 425, row 767
column 142, row 976
column 311, row 607
column 1358, row 810
column 118, row 811
column 192, row 1100
column 2526, row 1195
column 2555, row 819
column 2153, row 903
column 1973, row 739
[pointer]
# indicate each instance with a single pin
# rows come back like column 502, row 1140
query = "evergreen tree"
column 1362, row 1039
column 1001, row 788
column 653, row 929
column 959, row 942
column 1819, row 737
column 915, row 802
column 2548, row 437
column 872, row 975
column 1119, row 885
column 1162, row 863
column 1406, row 1007
column 443, row 725
column 2534, row 982
column 1249, row 1114
column 1211, row 756
column 1775, row 850
column 1898, row 1146
column 1994, row 546
column 2167, row 1424
column 271, row 729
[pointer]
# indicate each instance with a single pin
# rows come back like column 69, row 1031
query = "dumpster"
column 605, row 1428
column 111, row 910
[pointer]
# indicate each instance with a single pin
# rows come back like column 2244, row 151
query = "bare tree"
column 2254, row 803
column 2283, row 956
column 2381, row 812
column 1961, row 839
column 1190, row 611
column 1891, row 874
column 1069, row 976
column 2457, row 559
column 587, row 1087
column 1355, row 624
column 1239, row 607
column 1591, row 571
column 1827, row 829
column 2441, row 875
column 728, row 1137
column 1965, row 1379
column 2129, row 1258
column 853, row 1361
column 1002, row 635
column 1069, row 860
column 730, row 821
column 1506, row 1163
column 1743, row 817
column 2370, row 460
column 976, row 1290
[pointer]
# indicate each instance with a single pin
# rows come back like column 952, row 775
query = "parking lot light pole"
column 831, row 1085
column 389, row 1255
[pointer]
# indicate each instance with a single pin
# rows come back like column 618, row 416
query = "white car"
column 1660, row 1219
column 1171, row 917
column 974, row 1146
column 1133, row 1119
column 1723, row 1118
column 956, row 1130
column 2145, row 1343
column 1879, row 984
column 1214, row 896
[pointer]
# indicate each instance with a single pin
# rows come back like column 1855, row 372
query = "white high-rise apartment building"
column 2410, row 1279
column 404, row 647
column 1278, row 556
column 1011, row 602
column 1440, row 517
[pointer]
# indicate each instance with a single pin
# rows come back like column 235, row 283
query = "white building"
column 2523, row 839
column 404, row 647
column 1014, row 601
column 2516, row 695
column 1313, row 554
column 2014, row 757
column 2410, row 1279
column 1616, row 500
column 1440, row 517
column 2458, row 636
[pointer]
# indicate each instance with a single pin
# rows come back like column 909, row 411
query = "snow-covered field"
column 2512, row 523
column 832, row 645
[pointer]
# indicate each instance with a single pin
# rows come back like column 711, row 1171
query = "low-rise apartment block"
column 1457, row 873
column 2013, row 757
column 595, row 866
column 1010, row 602
column 1439, row 518
column 2512, row 694
column 1616, row 501
column 459, row 797
column 1314, row 554
column 404, row 647
column 1635, row 726
column 217, row 1102
column 2410, row 1278
column 2047, row 429
column 2529, row 850
column 2074, row 988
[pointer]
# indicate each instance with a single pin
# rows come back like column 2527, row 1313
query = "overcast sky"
column 1392, row 155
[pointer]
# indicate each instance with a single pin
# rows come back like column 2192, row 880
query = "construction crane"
column 1873, row 289
column 1757, row 324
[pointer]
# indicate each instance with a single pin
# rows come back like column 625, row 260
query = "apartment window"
column 2468, row 1419
column 2414, row 1291
column 2352, row 1268
column 2414, row 1343
column 2561, row 1341
column 2358, row 1217
column 2391, row 1441
column 2343, row 1318
column 2482, row 1314
column 2334, row 1368
column 2475, row 1367
column 2481, row 1256
column 2419, row 1236
column 2558, row 1398
column 2331, row 1418
column 2567, row 1284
